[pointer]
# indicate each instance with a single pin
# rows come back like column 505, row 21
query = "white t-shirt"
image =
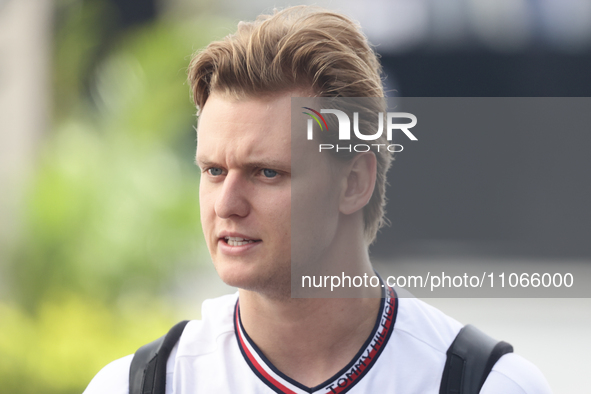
column 405, row 354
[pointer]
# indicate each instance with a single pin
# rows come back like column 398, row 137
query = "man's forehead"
column 249, row 132
column 225, row 109
column 244, row 134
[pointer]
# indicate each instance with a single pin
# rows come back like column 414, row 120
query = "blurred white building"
column 25, row 50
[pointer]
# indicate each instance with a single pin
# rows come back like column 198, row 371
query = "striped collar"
column 343, row 380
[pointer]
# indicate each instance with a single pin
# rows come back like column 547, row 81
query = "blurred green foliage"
column 65, row 344
column 113, row 213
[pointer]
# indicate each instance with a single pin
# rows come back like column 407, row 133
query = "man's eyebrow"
column 271, row 163
column 203, row 163
column 279, row 164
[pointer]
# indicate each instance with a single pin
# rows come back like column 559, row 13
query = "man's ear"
column 360, row 182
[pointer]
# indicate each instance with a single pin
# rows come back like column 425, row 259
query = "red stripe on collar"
column 341, row 382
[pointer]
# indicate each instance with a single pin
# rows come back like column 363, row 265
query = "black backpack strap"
column 147, row 374
column 470, row 358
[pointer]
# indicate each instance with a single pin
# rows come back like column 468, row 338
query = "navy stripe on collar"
column 343, row 380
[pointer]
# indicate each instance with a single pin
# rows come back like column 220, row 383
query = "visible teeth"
column 234, row 239
column 237, row 241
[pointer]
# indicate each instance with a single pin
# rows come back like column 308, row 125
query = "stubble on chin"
column 273, row 285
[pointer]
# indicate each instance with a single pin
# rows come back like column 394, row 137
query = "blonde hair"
column 299, row 47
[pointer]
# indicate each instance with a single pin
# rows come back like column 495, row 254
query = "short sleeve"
column 513, row 374
column 112, row 379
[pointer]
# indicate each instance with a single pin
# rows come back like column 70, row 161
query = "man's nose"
column 232, row 200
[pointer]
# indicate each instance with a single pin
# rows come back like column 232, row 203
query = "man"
column 263, row 340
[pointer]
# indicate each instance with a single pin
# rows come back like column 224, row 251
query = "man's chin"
column 237, row 274
column 251, row 279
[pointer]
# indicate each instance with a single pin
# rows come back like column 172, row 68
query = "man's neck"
column 308, row 339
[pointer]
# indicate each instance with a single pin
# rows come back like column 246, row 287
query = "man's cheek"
column 206, row 205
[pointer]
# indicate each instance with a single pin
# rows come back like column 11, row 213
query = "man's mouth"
column 238, row 241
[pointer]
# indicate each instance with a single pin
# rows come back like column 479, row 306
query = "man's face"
column 244, row 151
column 244, row 154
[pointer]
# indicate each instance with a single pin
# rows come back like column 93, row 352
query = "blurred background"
column 100, row 241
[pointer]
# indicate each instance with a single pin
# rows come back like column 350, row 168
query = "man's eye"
column 214, row 171
column 269, row 173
